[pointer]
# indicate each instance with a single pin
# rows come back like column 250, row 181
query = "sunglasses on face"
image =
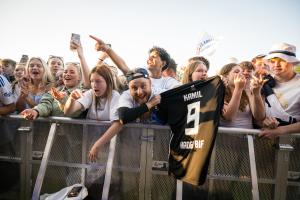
column 278, row 60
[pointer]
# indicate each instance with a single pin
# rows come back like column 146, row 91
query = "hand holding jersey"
column 283, row 99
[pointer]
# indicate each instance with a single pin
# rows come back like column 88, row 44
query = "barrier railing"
column 135, row 162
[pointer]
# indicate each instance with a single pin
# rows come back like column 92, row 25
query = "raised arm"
column 256, row 101
column 85, row 71
column 231, row 109
column 101, row 46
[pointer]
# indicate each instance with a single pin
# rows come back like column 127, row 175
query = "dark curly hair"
column 163, row 54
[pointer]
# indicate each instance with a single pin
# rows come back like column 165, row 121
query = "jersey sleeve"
column 6, row 95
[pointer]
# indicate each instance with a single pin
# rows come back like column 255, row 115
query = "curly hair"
column 163, row 54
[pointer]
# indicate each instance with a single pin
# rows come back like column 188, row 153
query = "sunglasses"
column 77, row 64
column 59, row 57
column 274, row 60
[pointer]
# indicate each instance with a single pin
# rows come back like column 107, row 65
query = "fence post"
column 146, row 163
column 26, row 147
column 44, row 163
column 282, row 167
column 255, row 191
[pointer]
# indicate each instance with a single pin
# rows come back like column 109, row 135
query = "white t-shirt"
column 126, row 100
column 288, row 94
column 6, row 96
column 106, row 111
column 163, row 84
column 241, row 120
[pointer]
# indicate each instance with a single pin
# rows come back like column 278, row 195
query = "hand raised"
column 239, row 81
column 76, row 94
column 256, row 83
column 100, row 44
column 57, row 95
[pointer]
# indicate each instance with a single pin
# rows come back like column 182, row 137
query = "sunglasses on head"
column 59, row 57
column 77, row 64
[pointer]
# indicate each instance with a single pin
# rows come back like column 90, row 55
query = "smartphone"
column 74, row 191
column 24, row 59
column 75, row 38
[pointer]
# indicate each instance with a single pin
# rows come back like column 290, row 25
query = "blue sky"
column 248, row 28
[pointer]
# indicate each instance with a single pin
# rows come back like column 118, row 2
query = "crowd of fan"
column 262, row 93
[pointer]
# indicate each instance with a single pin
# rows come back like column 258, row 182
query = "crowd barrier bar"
column 282, row 158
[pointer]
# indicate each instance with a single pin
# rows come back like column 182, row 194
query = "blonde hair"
column 47, row 79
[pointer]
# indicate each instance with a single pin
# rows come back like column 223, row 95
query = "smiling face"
column 71, row 76
column 140, row 89
column 98, row 85
column 260, row 64
column 36, row 69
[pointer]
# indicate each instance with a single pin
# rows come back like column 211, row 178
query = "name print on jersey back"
column 192, row 111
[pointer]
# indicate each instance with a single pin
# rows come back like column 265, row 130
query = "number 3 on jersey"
column 193, row 115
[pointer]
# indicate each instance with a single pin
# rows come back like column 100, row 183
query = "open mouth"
column 67, row 78
column 35, row 73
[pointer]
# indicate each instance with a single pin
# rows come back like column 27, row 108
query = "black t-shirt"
column 192, row 111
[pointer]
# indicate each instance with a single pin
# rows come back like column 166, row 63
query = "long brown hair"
column 189, row 70
column 106, row 73
column 228, row 94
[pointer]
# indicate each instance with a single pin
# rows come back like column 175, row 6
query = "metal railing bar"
column 179, row 188
column 109, row 166
column 44, row 163
column 255, row 191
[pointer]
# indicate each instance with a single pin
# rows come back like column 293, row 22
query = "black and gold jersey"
column 192, row 111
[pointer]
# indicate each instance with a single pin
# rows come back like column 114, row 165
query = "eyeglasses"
column 276, row 60
column 138, row 73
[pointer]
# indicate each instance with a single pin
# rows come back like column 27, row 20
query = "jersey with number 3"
column 192, row 111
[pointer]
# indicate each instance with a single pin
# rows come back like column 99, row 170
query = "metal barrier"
column 52, row 153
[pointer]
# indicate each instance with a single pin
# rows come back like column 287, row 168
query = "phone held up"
column 75, row 38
